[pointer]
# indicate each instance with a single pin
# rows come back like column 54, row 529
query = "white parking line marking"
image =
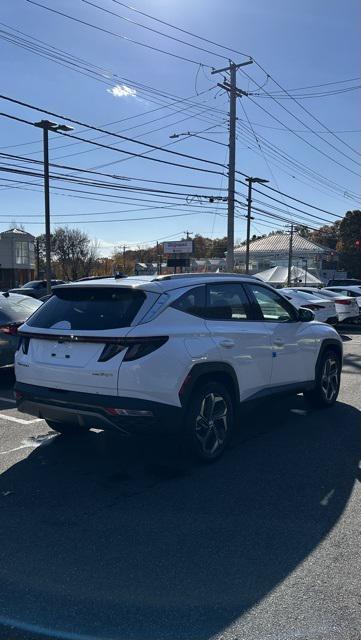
column 30, row 444
column 23, row 446
column 19, row 420
column 8, row 400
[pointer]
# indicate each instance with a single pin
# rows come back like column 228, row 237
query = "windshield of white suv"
column 89, row 308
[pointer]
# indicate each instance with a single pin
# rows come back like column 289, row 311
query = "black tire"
column 327, row 381
column 66, row 428
column 209, row 421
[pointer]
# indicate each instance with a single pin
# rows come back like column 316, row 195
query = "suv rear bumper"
column 126, row 415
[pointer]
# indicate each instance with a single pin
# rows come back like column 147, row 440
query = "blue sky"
column 298, row 44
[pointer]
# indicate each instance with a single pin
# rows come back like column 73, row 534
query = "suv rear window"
column 89, row 308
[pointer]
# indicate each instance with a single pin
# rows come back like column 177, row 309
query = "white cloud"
column 122, row 91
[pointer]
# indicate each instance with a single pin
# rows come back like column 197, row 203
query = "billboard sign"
column 178, row 246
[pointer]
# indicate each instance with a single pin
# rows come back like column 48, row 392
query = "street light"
column 250, row 181
column 46, row 126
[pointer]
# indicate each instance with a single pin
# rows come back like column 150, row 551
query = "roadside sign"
column 178, row 246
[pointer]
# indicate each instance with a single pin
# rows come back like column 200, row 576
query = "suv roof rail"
column 176, row 276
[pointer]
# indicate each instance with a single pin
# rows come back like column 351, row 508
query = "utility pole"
column 250, row 181
column 231, row 87
column 47, row 210
column 46, row 126
column 124, row 248
column 37, row 257
column 159, row 259
column 290, row 252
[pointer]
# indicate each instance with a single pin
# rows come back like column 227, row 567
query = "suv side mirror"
column 305, row 315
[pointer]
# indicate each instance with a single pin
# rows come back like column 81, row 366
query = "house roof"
column 279, row 243
column 15, row 231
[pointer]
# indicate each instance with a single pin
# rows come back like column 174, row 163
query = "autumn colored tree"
column 349, row 243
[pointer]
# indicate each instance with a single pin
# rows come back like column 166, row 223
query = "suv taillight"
column 10, row 329
column 345, row 302
column 136, row 348
column 24, row 344
column 109, row 351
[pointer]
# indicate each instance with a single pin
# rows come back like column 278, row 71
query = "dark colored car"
column 35, row 288
column 14, row 310
column 344, row 283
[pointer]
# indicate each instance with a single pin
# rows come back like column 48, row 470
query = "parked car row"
column 347, row 300
column 332, row 304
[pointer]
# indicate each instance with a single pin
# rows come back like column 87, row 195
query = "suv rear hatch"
column 74, row 341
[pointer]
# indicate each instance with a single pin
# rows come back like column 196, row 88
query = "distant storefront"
column 17, row 259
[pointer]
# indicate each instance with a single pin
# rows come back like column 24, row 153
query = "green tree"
column 349, row 243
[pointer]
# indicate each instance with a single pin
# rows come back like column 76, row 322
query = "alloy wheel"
column 212, row 423
column 330, row 379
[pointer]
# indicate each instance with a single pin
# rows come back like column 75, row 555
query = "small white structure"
column 279, row 275
column 273, row 250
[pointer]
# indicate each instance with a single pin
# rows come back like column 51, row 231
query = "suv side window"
column 227, row 301
column 192, row 301
column 272, row 306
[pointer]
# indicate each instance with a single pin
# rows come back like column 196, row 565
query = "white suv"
column 174, row 352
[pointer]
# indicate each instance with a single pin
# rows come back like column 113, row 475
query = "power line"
column 266, row 126
column 189, row 33
column 266, row 186
column 298, row 166
column 117, row 35
column 305, row 125
column 304, row 96
column 277, row 191
column 105, row 131
column 104, row 146
column 313, row 86
column 106, row 175
column 260, row 148
column 165, row 35
column 303, row 139
column 310, row 114
column 68, row 155
column 162, row 117
column 105, row 74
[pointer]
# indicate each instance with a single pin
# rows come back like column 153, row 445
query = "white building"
column 273, row 251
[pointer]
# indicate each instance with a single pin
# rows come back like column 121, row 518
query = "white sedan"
column 323, row 309
column 350, row 291
column 347, row 308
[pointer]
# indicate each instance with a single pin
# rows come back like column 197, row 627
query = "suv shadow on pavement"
column 107, row 538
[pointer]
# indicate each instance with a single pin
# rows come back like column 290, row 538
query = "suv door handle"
column 279, row 342
column 226, row 343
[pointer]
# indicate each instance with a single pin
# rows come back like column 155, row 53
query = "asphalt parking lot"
column 103, row 538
